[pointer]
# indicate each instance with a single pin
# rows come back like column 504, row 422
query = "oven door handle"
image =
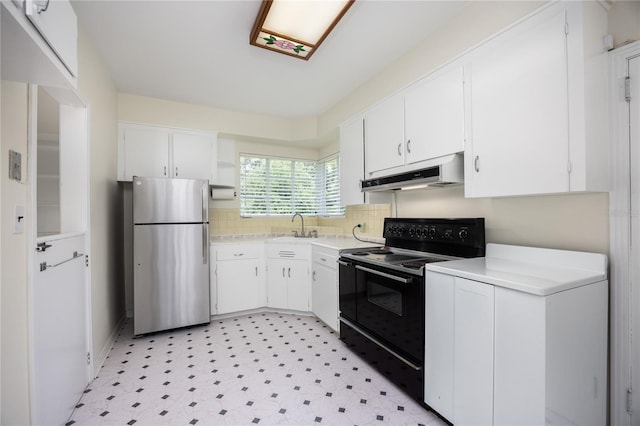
column 381, row 345
column 384, row 274
column 343, row 263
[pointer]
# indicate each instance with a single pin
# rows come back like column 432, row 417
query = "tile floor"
column 264, row 368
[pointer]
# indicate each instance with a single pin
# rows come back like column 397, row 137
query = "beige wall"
column 107, row 291
column 571, row 222
column 15, row 355
column 140, row 109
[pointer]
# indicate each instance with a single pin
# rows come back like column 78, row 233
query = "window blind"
column 272, row 186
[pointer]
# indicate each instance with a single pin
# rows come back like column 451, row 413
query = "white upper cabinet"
column 56, row 22
column 535, row 123
column 193, row 155
column 153, row 151
column 384, row 135
column 351, row 161
column 434, row 116
column 39, row 42
column 144, row 152
column 424, row 122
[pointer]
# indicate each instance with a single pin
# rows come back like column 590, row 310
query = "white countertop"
column 529, row 270
column 337, row 242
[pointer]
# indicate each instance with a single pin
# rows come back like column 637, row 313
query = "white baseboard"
column 101, row 358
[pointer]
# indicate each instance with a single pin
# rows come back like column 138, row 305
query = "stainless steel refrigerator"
column 171, row 253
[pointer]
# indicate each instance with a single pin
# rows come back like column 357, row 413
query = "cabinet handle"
column 165, row 170
column 313, row 276
column 289, row 272
column 399, row 149
column 476, row 164
column 409, row 146
column 323, row 259
column 176, row 171
column 283, row 272
column 256, row 271
column 238, row 254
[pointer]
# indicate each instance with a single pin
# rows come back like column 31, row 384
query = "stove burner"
column 381, row 251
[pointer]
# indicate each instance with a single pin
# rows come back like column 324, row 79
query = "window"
column 272, row 186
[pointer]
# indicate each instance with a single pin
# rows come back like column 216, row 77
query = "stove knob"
column 401, row 230
column 448, row 234
column 432, row 233
column 463, row 234
column 412, row 231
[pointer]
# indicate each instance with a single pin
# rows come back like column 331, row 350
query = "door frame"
column 621, row 358
column 72, row 98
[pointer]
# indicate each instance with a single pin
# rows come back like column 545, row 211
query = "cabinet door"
column 193, row 155
column 298, row 285
column 351, row 162
column 439, row 338
column 519, row 112
column 58, row 26
column 324, row 294
column 384, row 135
column 146, row 152
column 277, row 283
column 434, row 117
column 226, row 162
column 473, row 358
column 238, row 285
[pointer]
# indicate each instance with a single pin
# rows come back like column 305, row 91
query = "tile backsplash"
column 228, row 221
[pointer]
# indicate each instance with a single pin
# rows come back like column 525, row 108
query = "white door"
column 238, row 285
column 519, row 114
column 634, row 297
column 146, row 152
column 277, row 283
column 384, row 135
column 473, row 353
column 434, row 117
column 192, row 156
column 59, row 328
column 59, row 285
column 298, row 285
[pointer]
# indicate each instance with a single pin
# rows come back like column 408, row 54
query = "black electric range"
column 382, row 292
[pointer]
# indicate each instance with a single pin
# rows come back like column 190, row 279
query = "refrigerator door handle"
column 205, row 203
column 205, row 243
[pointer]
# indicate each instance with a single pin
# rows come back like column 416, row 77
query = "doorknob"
column 42, row 247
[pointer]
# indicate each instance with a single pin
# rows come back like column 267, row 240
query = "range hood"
column 447, row 171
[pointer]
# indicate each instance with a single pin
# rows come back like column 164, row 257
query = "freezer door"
column 171, row 276
column 164, row 200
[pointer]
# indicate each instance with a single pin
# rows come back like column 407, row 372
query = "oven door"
column 390, row 305
column 347, row 289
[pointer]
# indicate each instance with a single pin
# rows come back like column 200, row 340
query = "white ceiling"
column 198, row 51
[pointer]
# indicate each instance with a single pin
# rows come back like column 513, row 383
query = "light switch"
column 15, row 165
column 18, row 219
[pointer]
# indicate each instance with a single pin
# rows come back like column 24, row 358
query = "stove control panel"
column 428, row 232
column 415, row 233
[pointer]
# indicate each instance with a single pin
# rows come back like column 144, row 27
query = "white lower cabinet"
column 239, row 278
column 459, row 349
column 498, row 356
column 473, row 355
column 324, row 285
column 288, row 276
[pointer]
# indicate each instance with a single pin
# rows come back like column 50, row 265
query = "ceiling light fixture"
column 296, row 27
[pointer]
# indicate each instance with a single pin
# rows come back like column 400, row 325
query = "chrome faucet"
column 302, row 219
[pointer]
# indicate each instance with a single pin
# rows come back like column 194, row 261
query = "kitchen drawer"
column 328, row 259
column 289, row 251
column 239, row 252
